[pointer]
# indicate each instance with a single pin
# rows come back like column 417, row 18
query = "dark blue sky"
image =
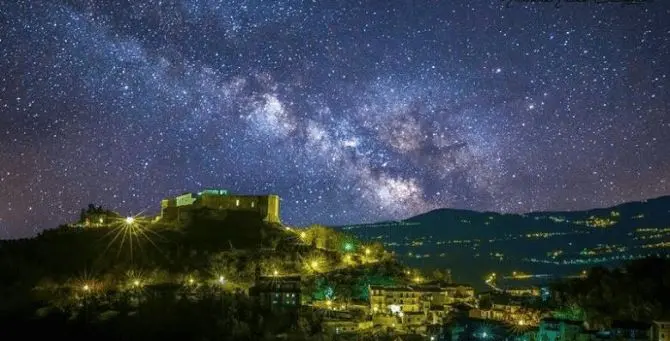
column 350, row 111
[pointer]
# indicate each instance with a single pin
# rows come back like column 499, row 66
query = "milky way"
column 350, row 111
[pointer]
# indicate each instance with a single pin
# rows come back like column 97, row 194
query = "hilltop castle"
column 178, row 207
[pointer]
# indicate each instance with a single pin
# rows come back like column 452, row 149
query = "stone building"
column 178, row 208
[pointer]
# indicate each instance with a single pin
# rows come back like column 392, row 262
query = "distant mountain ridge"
column 473, row 243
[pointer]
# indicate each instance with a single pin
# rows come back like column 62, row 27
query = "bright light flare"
column 132, row 231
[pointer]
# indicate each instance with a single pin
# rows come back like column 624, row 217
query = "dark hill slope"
column 475, row 243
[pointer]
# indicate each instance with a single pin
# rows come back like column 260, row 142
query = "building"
column 344, row 326
column 660, row 330
column 464, row 328
column 178, row 208
column 277, row 292
column 530, row 291
column 418, row 298
column 459, row 293
column 552, row 329
column 631, row 330
column 394, row 299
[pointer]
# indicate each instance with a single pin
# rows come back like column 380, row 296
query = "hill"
column 473, row 244
column 221, row 248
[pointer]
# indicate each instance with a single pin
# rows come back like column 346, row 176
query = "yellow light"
column 136, row 283
column 222, row 279
column 522, row 322
column 314, row 264
column 513, row 273
column 101, row 220
column 191, row 280
column 329, row 303
column 275, row 272
column 86, row 287
column 367, row 251
column 417, row 279
column 303, row 235
column 130, row 220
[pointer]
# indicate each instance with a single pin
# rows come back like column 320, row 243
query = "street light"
column 130, row 220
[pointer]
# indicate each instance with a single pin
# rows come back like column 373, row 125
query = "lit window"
column 237, row 202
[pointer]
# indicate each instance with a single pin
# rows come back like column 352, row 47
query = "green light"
column 348, row 246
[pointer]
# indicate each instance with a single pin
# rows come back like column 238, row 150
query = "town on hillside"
column 322, row 283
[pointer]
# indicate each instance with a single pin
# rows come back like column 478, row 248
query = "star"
column 353, row 114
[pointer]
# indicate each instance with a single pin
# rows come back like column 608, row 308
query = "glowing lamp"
column 130, row 220
column 86, row 287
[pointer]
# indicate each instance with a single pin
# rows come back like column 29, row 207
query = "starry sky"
column 351, row 111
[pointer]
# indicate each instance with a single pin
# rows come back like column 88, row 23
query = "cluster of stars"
column 376, row 111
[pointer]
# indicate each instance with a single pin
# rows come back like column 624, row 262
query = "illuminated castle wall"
column 177, row 208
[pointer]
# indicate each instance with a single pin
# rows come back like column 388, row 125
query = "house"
column 394, row 299
column 464, row 328
column 417, row 298
column 277, row 292
column 553, row 329
column 660, row 330
column 344, row 326
column 631, row 330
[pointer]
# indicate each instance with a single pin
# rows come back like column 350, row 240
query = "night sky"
column 350, row 111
